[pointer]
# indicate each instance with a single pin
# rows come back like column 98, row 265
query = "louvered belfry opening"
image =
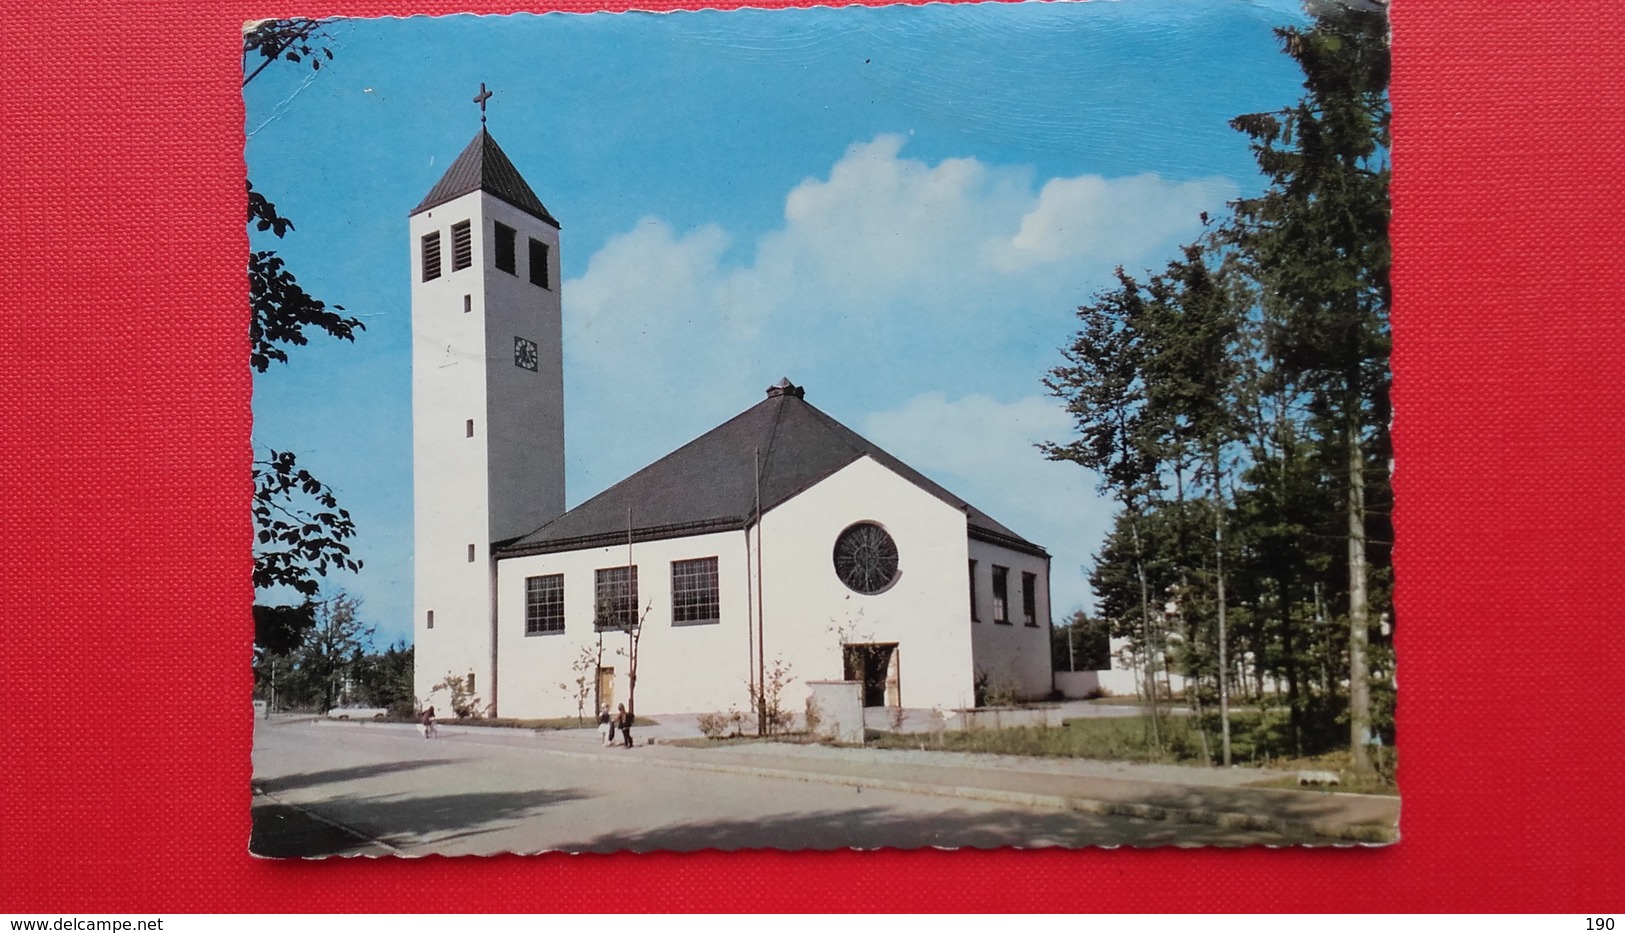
column 462, row 246
column 431, row 256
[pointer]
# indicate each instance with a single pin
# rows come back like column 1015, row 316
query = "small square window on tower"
column 431, row 256
column 505, row 257
column 431, row 618
column 468, row 303
column 462, row 246
column 538, row 263
column 469, row 428
column 471, row 553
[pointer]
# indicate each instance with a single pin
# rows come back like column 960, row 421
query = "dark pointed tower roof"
column 782, row 446
column 483, row 166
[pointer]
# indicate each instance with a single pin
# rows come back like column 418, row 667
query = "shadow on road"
column 282, row 831
column 882, row 827
column 404, row 822
column 289, row 782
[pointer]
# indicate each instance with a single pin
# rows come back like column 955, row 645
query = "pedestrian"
column 428, row 722
column 625, row 719
column 606, row 730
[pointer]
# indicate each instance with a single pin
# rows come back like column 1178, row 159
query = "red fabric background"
column 124, row 568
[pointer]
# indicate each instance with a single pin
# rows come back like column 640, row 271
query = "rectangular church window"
column 471, row 553
column 431, row 256
column 973, row 616
column 615, row 599
column 431, row 618
column 468, row 303
column 544, row 604
column 1001, row 595
column 694, row 597
column 462, row 246
column 1029, row 598
column 468, row 429
column 538, row 263
column 505, row 248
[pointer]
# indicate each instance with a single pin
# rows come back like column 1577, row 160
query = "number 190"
column 1599, row 923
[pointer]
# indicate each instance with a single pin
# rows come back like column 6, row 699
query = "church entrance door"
column 876, row 667
column 606, row 688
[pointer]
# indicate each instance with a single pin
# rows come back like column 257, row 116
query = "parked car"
column 357, row 712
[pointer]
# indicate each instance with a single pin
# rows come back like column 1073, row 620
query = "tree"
column 1192, row 368
column 291, row 40
column 280, row 630
column 1317, row 241
column 620, row 614
column 337, row 642
column 1081, row 644
column 300, row 530
column 385, row 679
column 585, row 686
column 1104, row 384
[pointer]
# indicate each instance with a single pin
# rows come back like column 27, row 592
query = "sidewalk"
column 1213, row 796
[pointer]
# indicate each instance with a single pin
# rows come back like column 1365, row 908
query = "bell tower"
column 487, row 402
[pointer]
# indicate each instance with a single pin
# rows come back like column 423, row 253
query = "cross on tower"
column 480, row 99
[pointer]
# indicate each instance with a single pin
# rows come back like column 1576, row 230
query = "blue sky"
column 898, row 208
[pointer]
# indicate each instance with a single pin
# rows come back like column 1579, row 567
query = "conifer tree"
column 1317, row 241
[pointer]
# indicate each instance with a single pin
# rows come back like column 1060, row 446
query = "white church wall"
column 449, row 490
column 681, row 668
column 1013, row 655
column 924, row 612
column 488, row 438
column 523, row 421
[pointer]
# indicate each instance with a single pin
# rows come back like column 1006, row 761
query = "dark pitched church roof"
column 483, row 166
column 709, row 484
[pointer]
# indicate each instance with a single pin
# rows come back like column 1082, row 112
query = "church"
column 779, row 545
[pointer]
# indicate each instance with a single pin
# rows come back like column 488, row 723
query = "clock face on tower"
column 866, row 558
column 524, row 353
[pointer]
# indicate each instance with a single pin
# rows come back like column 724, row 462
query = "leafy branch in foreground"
column 302, row 530
column 291, row 40
column 282, row 309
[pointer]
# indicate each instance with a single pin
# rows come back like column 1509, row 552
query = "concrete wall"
column 996, row 717
column 808, row 609
column 681, row 668
column 525, row 409
column 1013, row 655
column 840, row 709
column 924, row 612
column 508, row 477
column 450, row 492
column 1075, row 685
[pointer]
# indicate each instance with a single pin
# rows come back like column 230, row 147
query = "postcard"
column 951, row 425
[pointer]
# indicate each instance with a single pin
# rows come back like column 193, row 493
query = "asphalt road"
column 341, row 789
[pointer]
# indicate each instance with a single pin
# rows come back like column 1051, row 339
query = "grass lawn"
column 1255, row 741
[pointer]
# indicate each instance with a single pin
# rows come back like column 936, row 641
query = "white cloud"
column 1090, row 216
column 885, row 234
column 886, row 276
column 983, row 451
